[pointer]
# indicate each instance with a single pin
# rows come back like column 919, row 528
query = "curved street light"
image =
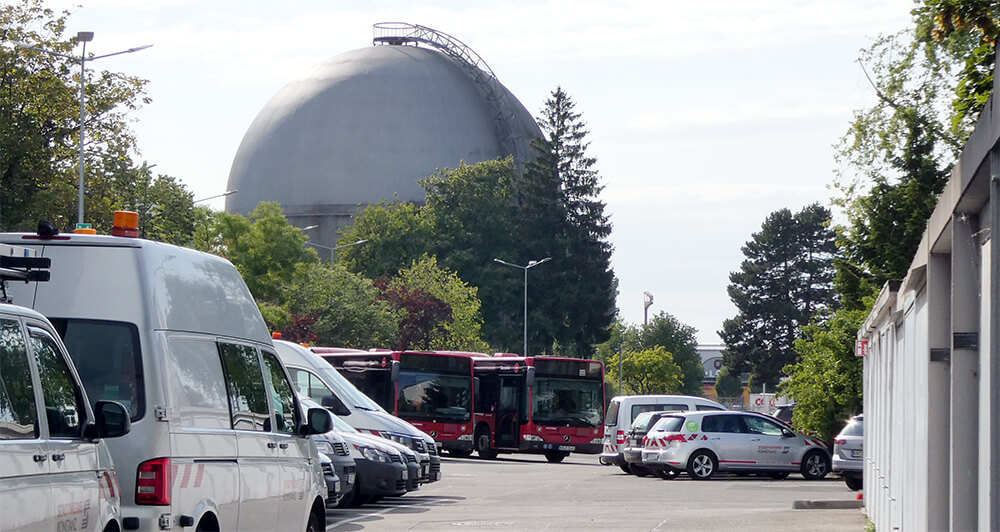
column 83, row 37
column 334, row 248
column 531, row 264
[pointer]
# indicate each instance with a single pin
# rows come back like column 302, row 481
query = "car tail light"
column 839, row 442
column 152, row 483
column 620, row 437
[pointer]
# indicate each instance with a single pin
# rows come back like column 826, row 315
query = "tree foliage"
column 727, row 384
column 397, row 234
column 665, row 330
column 785, row 280
column 650, row 371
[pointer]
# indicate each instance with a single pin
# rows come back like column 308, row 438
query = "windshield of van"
column 340, row 425
column 347, row 392
column 108, row 359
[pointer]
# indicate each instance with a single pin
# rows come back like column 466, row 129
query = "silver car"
column 703, row 443
column 848, row 452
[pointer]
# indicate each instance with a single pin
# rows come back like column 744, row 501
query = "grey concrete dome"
column 364, row 126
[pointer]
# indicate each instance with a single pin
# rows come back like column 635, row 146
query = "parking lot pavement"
column 524, row 492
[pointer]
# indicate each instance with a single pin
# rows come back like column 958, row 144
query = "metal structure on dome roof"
column 404, row 33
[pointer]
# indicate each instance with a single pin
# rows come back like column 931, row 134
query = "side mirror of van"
column 111, row 420
column 394, row 372
column 529, row 376
column 318, row 421
column 335, row 405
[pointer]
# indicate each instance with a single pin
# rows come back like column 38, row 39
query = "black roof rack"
column 25, row 269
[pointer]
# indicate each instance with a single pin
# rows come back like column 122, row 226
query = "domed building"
column 366, row 125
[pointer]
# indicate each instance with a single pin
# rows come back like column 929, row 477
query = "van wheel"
column 460, row 453
column 638, row 470
column 815, row 465
column 556, row 456
column 483, row 443
column 702, row 465
column 313, row 525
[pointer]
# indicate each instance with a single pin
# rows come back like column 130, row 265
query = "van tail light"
column 839, row 442
column 620, row 437
column 152, row 483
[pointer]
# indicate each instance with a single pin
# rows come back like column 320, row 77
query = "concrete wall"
column 932, row 376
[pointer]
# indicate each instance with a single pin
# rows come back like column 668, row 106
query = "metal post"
column 525, row 312
column 83, row 117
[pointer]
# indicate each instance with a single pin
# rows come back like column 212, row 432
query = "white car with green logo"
column 704, row 443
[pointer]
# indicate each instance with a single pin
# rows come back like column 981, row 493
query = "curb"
column 827, row 505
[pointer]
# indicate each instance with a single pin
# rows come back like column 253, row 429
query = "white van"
column 173, row 334
column 315, row 378
column 624, row 408
column 55, row 471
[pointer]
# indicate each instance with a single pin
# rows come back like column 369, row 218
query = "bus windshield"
column 348, row 392
column 434, row 396
column 572, row 402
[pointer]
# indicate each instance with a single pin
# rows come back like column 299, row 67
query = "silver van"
column 217, row 441
column 623, row 409
column 315, row 378
column 55, row 470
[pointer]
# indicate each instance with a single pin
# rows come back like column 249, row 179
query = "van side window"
column 195, row 371
column 18, row 415
column 245, row 383
column 286, row 417
column 638, row 409
column 707, row 407
column 310, row 385
column 64, row 407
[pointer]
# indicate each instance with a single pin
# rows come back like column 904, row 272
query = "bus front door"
column 508, row 414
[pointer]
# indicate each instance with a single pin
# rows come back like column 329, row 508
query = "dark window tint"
column 724, row 423
column 611, row 418
column 669, row 424
column 18, row 415
column 245, row 384
column 108, row 359
column 286, row 418
column 64, row 407
column 707, row 407
column 759, row 425
column 638, row 409
column 195, row 371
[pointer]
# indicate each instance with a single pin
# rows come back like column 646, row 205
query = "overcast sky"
column 704, row 117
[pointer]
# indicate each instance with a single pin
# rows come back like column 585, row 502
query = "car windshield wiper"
column 365, row 408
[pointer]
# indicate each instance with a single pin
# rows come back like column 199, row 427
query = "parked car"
column 703, row 443
column 848, row 452
column 315, row 378
column 634, row 444
column 382, row 469
column 339, row 469
column 174, row 335
column 784, row 412
column 623, row 409
column 55, row 469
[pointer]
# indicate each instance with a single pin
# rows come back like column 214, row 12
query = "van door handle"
column 39, row 458
column 283, row 445
column 58, row 457
column 272, row 445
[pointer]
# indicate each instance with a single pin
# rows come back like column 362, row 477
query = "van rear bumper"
column 616, row 459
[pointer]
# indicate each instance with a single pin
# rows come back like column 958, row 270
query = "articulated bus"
column 433, row 390
column 548, row 405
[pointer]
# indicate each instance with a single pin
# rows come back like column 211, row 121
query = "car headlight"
column 325, row 447
column 374, row 454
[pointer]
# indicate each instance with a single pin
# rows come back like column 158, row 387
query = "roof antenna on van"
column 47, row 229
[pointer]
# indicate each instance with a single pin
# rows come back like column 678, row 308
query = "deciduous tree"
column 650, row 371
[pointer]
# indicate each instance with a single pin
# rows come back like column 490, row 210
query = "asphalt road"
column 524, row 492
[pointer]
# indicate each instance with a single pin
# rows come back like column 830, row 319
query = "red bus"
column 433, row 390
column 548, row 405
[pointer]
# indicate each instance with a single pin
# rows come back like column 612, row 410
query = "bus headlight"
column 531, row 437
column 596, row 441
column 464, row 437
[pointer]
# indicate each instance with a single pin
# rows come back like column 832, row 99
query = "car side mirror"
column 787, row 433
column 335, row 405
column 111, row 420
column 318, row 421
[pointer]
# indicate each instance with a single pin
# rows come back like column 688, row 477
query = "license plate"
column 403, row 474
column 423, row 471
column 350, row 478
column 856, row 453
column 566, row 448
column 650, row 457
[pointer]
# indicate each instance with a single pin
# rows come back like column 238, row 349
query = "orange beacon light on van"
column 126, row 224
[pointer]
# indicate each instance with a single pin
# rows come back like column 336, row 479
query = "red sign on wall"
column 861, row 348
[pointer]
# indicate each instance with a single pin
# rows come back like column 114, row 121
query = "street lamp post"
column 224, row 194
column 84, row 37
column 531, row 264
column 334, row 248
column 647, row 301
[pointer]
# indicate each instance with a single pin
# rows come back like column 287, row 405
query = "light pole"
column 84, row 37
column 224, row 194
column 334, row 248
column 647, row 301
column 531, row 264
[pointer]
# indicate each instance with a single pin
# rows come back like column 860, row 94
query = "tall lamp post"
column 647, row 301
column 334, row 248
column 531, row 264
column 84, row 37
column 224, row 194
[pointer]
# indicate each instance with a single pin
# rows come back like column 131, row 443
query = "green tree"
column 397, row 233
column 785, row 280
column 40, row 123
column 623, row 337
column 826, row 383
column 665, row 330
column 461, row 330
column 728, row 385
column 650, row 371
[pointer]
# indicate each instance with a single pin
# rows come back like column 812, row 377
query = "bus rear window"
column 108, row 359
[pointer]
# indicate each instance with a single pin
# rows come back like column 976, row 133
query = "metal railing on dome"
column 403, row 33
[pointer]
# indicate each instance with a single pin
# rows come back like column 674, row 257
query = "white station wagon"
column 703, row 443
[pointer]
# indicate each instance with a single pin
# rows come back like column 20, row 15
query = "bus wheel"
column 483, row 444
column 555, row 456
column 460, row 453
